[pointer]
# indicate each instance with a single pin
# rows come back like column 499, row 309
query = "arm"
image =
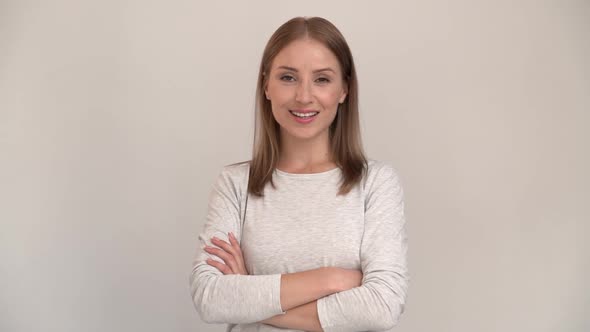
column 305, row 317
column 378, row 303
column 246, row 298
column 303, row 287
column 222, row 298
column 295, row 287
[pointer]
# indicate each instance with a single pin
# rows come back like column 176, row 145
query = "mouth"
column 304, row 115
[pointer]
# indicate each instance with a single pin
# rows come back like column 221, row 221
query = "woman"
column 308, row 235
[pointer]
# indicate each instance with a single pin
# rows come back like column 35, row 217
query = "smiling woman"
column 309, row 235
column 301, row 94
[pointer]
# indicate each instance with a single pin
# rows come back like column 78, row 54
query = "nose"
column 303, row 93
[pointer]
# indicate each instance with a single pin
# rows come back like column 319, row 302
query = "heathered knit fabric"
column 303, row 224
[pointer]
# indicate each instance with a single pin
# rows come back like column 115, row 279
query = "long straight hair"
column 345, row 138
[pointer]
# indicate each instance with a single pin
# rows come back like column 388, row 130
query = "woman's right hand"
column 345, row 279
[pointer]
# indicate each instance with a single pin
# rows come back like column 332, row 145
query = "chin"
column 298, row 133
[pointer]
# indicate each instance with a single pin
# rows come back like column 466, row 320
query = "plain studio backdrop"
column 116, row 117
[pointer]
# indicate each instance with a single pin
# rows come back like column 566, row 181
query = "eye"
column 323, row 80
column 287, row 78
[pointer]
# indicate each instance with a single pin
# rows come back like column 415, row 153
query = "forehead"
column 306, row 54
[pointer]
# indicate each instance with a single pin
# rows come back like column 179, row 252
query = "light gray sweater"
column 302, row 225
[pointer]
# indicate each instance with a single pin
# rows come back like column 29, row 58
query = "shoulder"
column 234, row 178
column 237, row 170
column 383, row 188
column 380, row 172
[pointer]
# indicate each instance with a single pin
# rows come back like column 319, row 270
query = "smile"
column 304, row 117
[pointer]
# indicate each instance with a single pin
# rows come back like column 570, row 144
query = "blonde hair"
column 345, row 139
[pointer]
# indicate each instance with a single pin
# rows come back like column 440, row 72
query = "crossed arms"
column 311, row 300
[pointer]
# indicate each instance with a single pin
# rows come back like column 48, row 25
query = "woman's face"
column 304, row 87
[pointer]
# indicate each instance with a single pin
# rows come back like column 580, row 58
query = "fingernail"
column 232, row 235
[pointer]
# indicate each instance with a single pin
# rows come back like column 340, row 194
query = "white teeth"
column 304, row 115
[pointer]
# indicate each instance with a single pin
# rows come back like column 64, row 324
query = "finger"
column 236, row 259
column 233, row 241
column 223, row 245
column 220, row 266
column 239, row 255
column 228, row 258
column 237, row 251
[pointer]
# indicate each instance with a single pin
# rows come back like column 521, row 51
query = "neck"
column 305, row 156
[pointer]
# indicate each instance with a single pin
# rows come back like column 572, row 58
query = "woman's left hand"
column 230, row 253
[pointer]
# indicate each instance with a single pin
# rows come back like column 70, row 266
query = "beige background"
column 115, row 117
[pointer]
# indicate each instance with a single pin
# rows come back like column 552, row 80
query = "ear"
column 344, row 93
column 266, row 93
column 265, row 87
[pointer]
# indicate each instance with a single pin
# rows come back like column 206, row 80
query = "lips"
column 303, row 110
column 304, row 116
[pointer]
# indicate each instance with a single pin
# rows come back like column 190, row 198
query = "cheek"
column 331, row 97
column 279, row 94
column 277, row 105
column 278, row 110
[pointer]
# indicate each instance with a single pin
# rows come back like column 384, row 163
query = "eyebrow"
column 315, row 71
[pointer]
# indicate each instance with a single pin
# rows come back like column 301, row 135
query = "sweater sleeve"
column 377, row 304
column 232, row 299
